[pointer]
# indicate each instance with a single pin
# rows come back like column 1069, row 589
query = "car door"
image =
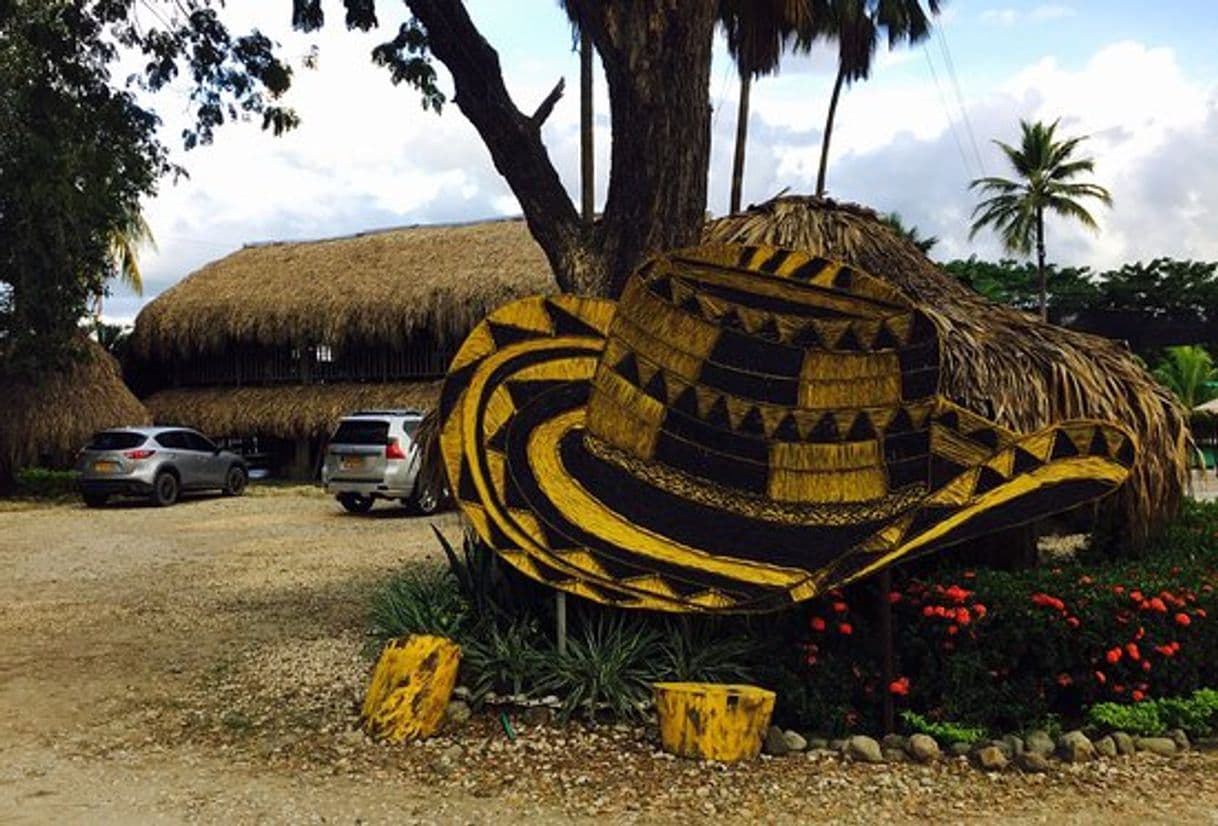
column 211, row 465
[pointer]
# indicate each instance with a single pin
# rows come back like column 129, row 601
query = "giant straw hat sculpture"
column 746, row 428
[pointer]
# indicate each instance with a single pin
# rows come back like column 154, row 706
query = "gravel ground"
column 203, row 663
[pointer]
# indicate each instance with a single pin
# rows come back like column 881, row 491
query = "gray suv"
column 372, row 455
column 156, row 462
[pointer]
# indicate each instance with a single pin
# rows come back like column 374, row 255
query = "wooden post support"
column 560, row 620
column 885, row 581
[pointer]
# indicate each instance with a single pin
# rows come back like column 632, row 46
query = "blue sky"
column 1141, row 78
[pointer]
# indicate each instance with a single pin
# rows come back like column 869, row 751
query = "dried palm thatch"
column 1002, row 363
column 377, row 288
column 296, row 411
column 48, row 421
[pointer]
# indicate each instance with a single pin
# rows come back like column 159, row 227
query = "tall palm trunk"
column 742, row 136
column 587, row 173
column 824, row 143
column 1040, row 263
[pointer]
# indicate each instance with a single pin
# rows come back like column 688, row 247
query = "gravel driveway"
column 201, row 663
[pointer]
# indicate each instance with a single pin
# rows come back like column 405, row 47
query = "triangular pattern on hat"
column 737, row 409
column 988, row 479
column 827, row 274
column 706, row 397
column 895, row 532
column 862, row 428
column 1003, row 462
column 768, row 330
column 646, row 371
column 867, row 330
column 657, row 387
column 628, row 368
column 849, row 341
column 806, row 336
column 565, row 324
column 884, row 339
column 661, row 287
column 686, row 401
column 505, row 335
column 717, row 414
column 1125, row 453
column 787, row 430
column 712, row 598
column 1099, row 444
column 900, row 326
column 825, row 430
column 1022, row 461
column 1039, row 445
column 752, row 423
column 478, row 345
column 583, row 561
column 652, row 584
column 752, row 319
column 830, row 330
column 958, row 491
column 1063, row 446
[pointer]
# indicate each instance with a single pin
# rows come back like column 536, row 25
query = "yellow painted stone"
column 410, row 687
column 713, row 721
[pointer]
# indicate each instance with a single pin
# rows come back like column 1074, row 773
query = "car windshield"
column 362, row 432
column 116, row 440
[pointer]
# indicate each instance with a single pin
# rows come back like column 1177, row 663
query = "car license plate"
column 351, row 462
column 105, row 467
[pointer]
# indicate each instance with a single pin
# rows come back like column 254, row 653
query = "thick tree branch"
column 514, row 139
column 547, row 105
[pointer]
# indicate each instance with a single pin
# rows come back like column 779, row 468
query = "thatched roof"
column 50, row 420
column 1000, row 362
column 283, row 411
column 378, row 287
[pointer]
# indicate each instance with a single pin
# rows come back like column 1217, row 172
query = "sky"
column 1139, row 78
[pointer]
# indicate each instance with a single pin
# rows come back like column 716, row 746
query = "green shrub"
column 1140, row 718
column 41, row 483
column 512, row 660
column 944, row 732
column 703, row 653
column 1195, row 714
column 421, row 600
column 609, row 667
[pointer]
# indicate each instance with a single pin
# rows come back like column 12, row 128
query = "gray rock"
column 960, row 749
column 923, row 748
column 837, row 744
column 1014, row 744
column 456, row 714
column 775, row 744
column 818, row 743
column 1178, row 737
column 1001, row 745
column 1075, row 747
column 991, row 758
column 1162, row 746
column 893, row 741
column 1039, row 742
column 895, row 755
column 1106, row 747
column 1032, row 762
column 1124, row 743
column 536, row 715
column 795, row 741
column 1206, row 743
column 864, row 749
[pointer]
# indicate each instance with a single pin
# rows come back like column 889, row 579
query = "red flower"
column 979, row 610
column 963, row 617
column 1118, row 589
column 1137, row 696
column 818, row 624
column 899, row 686
column 1146, row 665
column 952, row 629
column 1141, row 632
column 1118, row 689
column 928, row 611
column 1183, row 619
column 940, row 611
column 1113, row 656
column 894, row 597
column 957, row 594
column 1072, row 622
column 1136, row 596
column 1200, row 612
column 1064, row 680
column 1084, row 580
column 1156, row 604
column 1165, row 650
column 969, row 575
column 839, row 607
column 1100, row 677
column 1132, row 651
column 846, row 628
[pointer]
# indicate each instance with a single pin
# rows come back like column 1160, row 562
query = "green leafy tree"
column 1189, row 372
column 857, row 25
column 1015, row 283
column 1016, row 208
column 910, row 234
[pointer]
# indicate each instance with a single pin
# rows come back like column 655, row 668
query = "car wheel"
column 235, row 481
column 425, row 502
column 355, row 503
column 164, row 489
column 95, row 500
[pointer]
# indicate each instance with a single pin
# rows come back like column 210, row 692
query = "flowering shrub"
column 1008, row 649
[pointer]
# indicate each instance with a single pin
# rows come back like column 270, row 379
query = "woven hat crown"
column 769, row 373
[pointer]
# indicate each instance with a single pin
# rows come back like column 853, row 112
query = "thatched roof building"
column 48, row 421
column 1004, row 364
column 280, row 339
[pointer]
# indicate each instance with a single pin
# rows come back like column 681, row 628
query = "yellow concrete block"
column 713, row 721
column 410, row 687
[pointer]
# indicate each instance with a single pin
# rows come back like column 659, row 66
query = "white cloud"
column 1039, row 14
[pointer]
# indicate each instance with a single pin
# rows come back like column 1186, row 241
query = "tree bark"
column 587, row 169
column 656, row 55
column 824, row 143
column 1040, row 263
column 742, row 136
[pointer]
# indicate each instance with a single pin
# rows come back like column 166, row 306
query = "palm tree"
column 126, row 239
column 1189, row 373
column 1016, row 208
column 758, row 32
column 910, row 234
column 856, row 25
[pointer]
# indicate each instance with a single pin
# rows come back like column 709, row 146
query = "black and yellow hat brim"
column 566, row 511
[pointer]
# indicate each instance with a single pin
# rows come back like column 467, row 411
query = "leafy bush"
column 509, row 660
column 41, row 483
column 943, row 732
column 1196, row 715
column 703, row 653
column 421, row 600
column 610, row 666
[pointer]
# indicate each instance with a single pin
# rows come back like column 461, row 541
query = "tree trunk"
column 1040, row 263
column 587, row 169
column 824, row 143
column 656, row 55
column 742, row 136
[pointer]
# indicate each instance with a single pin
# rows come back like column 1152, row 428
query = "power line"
column 947, row 111
column 951, row 70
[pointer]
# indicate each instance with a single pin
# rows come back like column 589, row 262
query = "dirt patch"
column 203, row 663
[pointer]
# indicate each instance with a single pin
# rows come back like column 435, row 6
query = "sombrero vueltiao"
column 747, row 427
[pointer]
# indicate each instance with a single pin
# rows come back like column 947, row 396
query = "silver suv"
column 372, row 455
column 157, row 462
